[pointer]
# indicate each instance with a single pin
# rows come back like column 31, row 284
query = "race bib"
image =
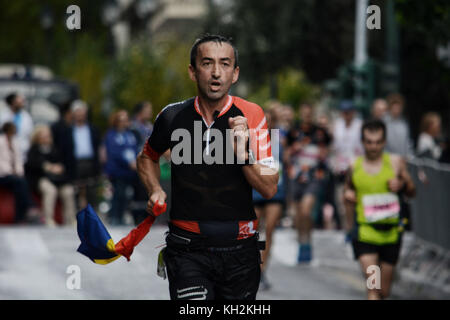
column 380, row 206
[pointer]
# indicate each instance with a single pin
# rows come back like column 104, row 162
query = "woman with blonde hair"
column 48, row 176
column 427, row 144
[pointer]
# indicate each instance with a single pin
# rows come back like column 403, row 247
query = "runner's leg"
column 304, row 220
column 367, row 260
column 387, row 275
column 273, row 214
column 189, row 275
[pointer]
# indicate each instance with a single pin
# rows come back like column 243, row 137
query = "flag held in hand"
column 96, row 242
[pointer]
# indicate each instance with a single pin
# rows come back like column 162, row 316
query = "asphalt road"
column 42, row 263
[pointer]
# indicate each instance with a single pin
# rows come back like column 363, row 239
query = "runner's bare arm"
column 349, row 199
column 262, row 178
column 149, row 173
column 403, row 180
column 409, row 187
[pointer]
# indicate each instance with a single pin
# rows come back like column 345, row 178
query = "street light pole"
column 360, row 33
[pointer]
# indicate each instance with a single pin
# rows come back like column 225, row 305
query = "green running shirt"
column 377, row 208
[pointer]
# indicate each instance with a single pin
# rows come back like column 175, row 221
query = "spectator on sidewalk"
column 12, row 171
column 17, row 114
column 121, row 151
column 398, row 138
column 346, row 146
column 379, row 109
column 141, row 125
column 85, row 154
column 346, row 138
column 63, row 141
column 428, row 145
column 48, row 177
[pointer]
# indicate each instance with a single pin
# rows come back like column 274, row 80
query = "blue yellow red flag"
column 96, row 242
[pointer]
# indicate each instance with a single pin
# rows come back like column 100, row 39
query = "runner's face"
column 373, row 143
column 214, row 70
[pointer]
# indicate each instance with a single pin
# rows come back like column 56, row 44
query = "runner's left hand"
column 241, row 135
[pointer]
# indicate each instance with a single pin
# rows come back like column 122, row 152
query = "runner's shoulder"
column 353, row 160
column 397, row 161
column 169, row 111
column 242, row 103
column 252, row 111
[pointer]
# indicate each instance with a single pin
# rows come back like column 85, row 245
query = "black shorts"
column 263, row 203
column 388, row 253
column 312, row 187
column 212, row 273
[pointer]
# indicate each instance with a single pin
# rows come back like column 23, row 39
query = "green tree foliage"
column 430, row 19
column 278, row 39
column 425, row 26
column 155, row 73
column 294, row 89
column 87, row 67
column 26, row 39
column 316, row 36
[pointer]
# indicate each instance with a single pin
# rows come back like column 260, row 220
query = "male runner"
column 307, row 152
column 373, row 183
column 212, row 249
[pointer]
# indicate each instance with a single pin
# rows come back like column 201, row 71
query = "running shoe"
column 304, row 253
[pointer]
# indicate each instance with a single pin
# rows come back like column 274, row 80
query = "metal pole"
column 360, row 33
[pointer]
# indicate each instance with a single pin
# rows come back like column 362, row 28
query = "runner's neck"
column 372, row 166
column 207, row 108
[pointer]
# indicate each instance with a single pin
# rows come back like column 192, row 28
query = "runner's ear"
column 235, row 75
column 191, row 70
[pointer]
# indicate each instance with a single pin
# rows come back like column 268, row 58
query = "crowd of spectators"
column 40, row 164
column 44, row 166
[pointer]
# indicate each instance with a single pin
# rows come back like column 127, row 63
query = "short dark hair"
column 10, row 98
column 395, row 98
column 138, row 107
column 212, row 38
column 373, row 125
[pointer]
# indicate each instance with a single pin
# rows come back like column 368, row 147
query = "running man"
column 212, row 249
column 373, row 183
column 307, row 152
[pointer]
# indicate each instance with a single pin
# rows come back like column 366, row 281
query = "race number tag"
column 380, row 206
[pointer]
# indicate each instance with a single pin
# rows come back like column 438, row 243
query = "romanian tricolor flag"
column 96, row 243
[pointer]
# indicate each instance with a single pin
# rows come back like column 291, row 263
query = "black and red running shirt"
column 202, row 191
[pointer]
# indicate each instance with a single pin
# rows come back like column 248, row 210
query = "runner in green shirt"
column 371, row 191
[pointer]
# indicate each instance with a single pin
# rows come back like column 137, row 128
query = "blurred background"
column 129, row 59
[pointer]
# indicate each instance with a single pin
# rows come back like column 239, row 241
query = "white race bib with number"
column 380, row 206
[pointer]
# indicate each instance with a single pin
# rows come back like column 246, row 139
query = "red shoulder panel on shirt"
column 256, row 120
column 151, row 153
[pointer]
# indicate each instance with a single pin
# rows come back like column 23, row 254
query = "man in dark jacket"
column 78, row 141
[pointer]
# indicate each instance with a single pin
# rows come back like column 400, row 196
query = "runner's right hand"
column 157, row 196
